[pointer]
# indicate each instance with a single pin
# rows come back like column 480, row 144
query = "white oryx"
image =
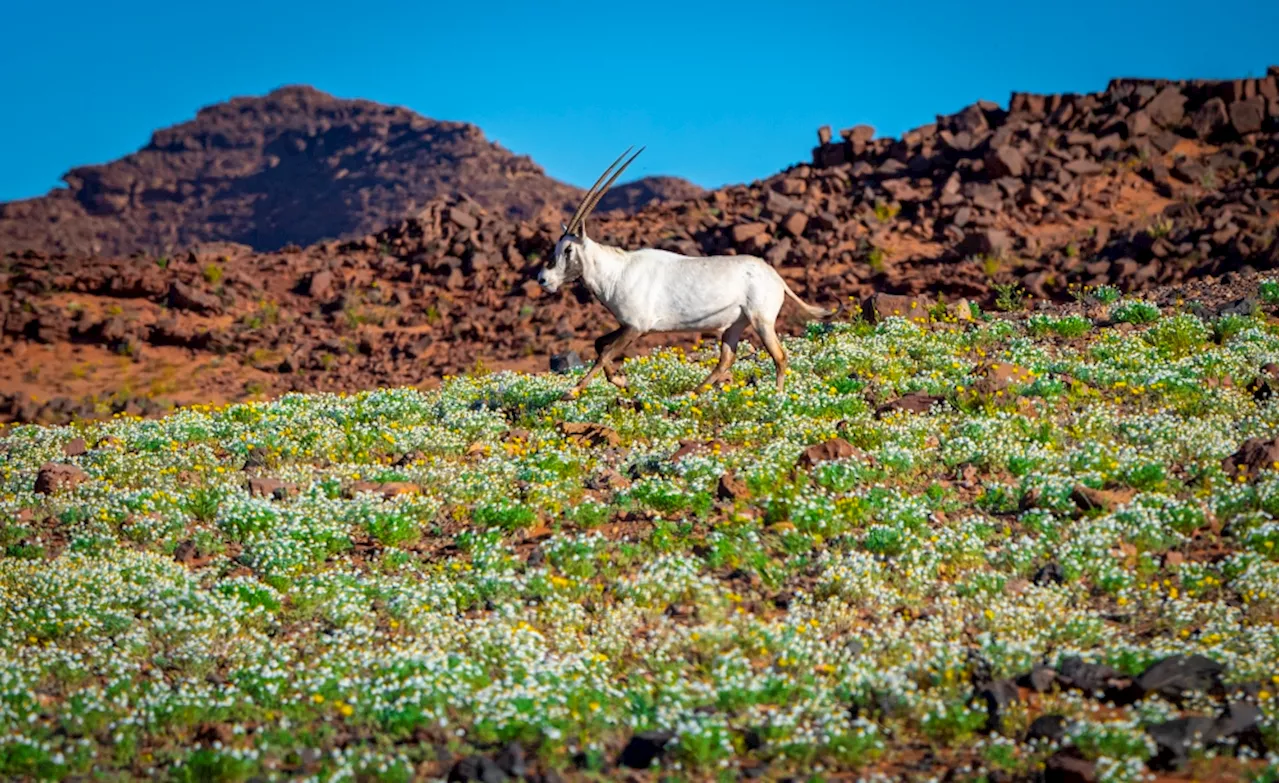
column 659, row 291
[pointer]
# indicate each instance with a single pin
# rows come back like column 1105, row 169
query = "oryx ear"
column 564, row 228
column 582, row 226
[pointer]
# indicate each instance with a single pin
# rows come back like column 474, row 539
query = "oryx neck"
column 602, row 266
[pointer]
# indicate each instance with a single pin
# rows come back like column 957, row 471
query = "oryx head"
column 565, row 265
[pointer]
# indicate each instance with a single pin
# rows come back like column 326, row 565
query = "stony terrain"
column 296, row 166
column 962, row 545
column 1148, row 183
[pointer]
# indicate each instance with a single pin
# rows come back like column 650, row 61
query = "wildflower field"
column 1003, row 547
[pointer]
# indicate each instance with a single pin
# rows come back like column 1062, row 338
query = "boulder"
column 1247, row 116
column 589, row 433
column 878, row 307
column 645, row 748
column 1209, row 118
column 834, row 449
column 1005, row 161
column 185, row 297
column 1167, row 108
column 55, row 477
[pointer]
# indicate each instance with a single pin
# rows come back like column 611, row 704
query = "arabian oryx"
column 658, row 291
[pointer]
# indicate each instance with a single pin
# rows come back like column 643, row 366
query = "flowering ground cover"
column 1013, row 546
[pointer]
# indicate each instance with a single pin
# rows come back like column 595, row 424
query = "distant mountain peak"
column 294, row 166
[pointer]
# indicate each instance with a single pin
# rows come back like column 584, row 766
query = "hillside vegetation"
column 999, row 546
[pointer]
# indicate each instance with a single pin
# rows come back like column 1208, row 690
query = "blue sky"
column 720, row 93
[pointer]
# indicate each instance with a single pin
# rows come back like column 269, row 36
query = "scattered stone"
column 512, row 760
column 998, row 695
column 1068, row 766
column 185, row 297
column 607, row 478
column 732, row 488
column 1040, row 679
column 745, row 231
column 644, row 749
column 272, row 488
column 56, row 477
column 186, row 552
column 1083, row 167
column 1210, row 118
column 476, row 768
column 590, row 433
column 1173, row 677
column 827, row 451
column 1047, row 728
column 1247, row 116
column 1177, row 738
column 74, row 447
column 914, row 402
column 688, row 447
column 987, row 242
column 795, row 224
column 878, row 307
column 1005, row 161
column 565, row 363
column 387, row 490
column 1166, row 109
column 1047, row 574
column 1088, row 499
column 1254, row 457
column 264, row 487
column 319, row 286
column 1075, row 673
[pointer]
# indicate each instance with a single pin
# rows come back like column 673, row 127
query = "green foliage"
column 1269, row 291
column 1135, row 311
column 1009, row 296
column 1106, row 294
column 886, row 212
column 1177, row 336
column 212, row 273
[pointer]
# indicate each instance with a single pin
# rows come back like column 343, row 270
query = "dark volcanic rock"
column 476, row 768
column 563, row 363
column 1174, row 677
column 644, row 749
column 1047, row 728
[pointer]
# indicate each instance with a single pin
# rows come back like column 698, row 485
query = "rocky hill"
column 1147, row 183
column 296, row 166
column 631, row 196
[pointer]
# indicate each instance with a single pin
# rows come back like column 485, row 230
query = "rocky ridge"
column 296, row 166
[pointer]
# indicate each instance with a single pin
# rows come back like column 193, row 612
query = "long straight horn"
column 600, row 193
column 582, row 207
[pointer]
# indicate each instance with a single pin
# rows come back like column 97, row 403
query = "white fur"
column 658, row 291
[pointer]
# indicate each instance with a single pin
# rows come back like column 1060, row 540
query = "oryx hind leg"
column 764, row 327
column 728, row 352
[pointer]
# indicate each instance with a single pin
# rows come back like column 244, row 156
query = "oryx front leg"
column 615, row 351
column 607, row 347
column 728, row 351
